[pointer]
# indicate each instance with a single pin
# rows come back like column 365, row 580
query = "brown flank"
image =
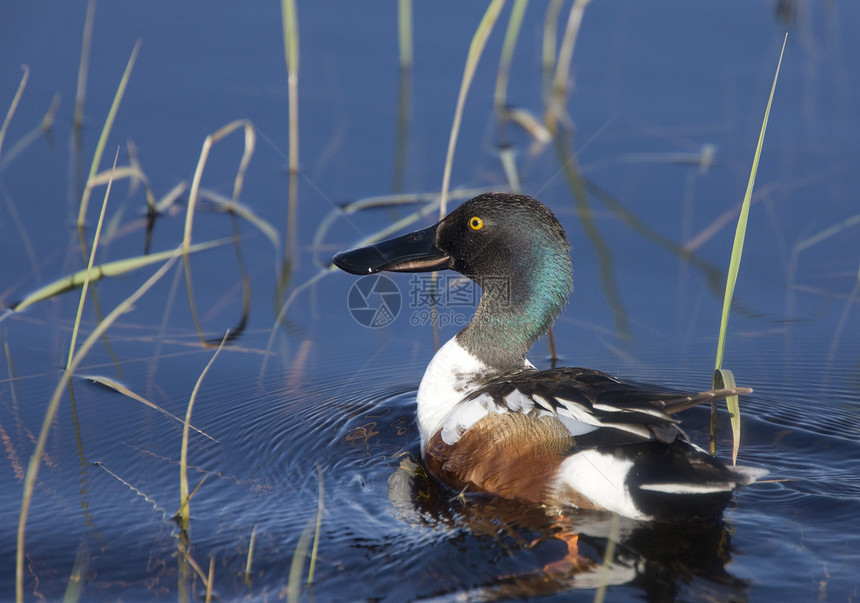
column 511, row 455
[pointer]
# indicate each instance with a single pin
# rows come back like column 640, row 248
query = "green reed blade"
column 735, row 262
column 725, row 379
column 115, row 268
column 740, row 232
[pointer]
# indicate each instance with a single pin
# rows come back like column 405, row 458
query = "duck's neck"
column 516, row 311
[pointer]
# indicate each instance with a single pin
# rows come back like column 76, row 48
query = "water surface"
column 320, row 403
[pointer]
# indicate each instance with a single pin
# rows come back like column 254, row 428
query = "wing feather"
column 592, row 403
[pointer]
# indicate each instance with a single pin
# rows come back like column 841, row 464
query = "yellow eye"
column 476, row 223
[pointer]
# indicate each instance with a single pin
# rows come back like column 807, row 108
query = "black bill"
column 415, row 252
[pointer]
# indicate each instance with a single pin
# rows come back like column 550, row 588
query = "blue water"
column 320, row 403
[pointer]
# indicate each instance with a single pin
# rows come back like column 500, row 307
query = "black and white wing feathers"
column 598, row 409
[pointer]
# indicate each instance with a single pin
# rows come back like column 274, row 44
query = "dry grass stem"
column 115, row 268
column 250, row 556
column 208, row 142
column 53, row 406
column 290, row 25
column 13, row 106
column 89, row 272
column 121, row 389
column 485, row 27
column 97, row 156
column 184, row 497
column 511, row 35
column 561, row 81
column 316, row 545
column 25, row 141
column 404, row 33
column 83, row 66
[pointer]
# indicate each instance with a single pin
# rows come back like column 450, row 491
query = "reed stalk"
column 476, row 48
column 184, row 497
column 83, row 66
column 515, row 23
column 13, row 106
column 290, row 25
column 89, row 273
column 731, row 279
column 53, row 405
column 106, row 128
column 404, row 33
column 555, row 111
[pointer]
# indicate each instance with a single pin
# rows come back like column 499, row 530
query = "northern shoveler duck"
column 491, row 422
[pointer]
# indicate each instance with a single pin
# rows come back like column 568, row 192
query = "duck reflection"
column 564, row 550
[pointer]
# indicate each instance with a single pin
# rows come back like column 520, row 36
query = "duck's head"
column 511, row 245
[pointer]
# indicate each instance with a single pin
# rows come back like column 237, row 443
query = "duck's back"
column 578, row 437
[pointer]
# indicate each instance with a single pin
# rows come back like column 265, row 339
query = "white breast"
column 449, row 377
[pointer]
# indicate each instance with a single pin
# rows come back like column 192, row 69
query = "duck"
column 491, row 422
